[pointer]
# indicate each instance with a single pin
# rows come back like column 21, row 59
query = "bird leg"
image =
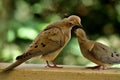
column 54, row 65
column 48, row 65
column 96, row 67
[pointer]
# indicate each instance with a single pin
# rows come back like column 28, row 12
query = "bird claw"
column 96, row 67
column 54, row 66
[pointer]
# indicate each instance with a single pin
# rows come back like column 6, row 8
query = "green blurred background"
column 22, row 20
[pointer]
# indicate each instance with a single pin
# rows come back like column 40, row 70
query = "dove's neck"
column 83, row 38
column 67, row 33
column 65, row 27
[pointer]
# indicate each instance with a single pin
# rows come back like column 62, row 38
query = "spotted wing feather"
column 105, row 54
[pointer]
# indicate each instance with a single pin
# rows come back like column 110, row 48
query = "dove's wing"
column 48, row 41
column 105, row 54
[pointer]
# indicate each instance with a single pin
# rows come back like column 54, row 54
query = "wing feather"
column 48, row 41
column 105, row 54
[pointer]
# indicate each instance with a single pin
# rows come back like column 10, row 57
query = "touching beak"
column 80, row 26
column 76, row 27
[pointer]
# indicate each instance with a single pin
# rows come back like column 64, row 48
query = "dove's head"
column 80, row 32
column 74, row 20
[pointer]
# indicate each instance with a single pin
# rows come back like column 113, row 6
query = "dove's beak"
column 80, row 26
column 76, row 27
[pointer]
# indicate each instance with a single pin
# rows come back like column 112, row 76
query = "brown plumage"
column 96, row 52
column 49, row 43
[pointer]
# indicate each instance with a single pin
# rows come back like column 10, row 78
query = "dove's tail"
column 19, row 60
column 12, row 66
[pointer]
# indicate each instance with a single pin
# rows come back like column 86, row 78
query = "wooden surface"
column 39, row 72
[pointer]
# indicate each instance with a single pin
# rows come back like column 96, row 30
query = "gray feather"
column 105, row 54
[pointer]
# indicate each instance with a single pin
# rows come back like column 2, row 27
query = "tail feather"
column 12, row 66
column 20, row 59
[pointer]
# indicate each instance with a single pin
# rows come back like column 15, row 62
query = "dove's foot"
column 96, row 67
column 54, row 65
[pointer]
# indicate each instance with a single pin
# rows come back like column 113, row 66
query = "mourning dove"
column 49, row 43
column 96, row 52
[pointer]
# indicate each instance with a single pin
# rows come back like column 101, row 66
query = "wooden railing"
column 39, row 72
